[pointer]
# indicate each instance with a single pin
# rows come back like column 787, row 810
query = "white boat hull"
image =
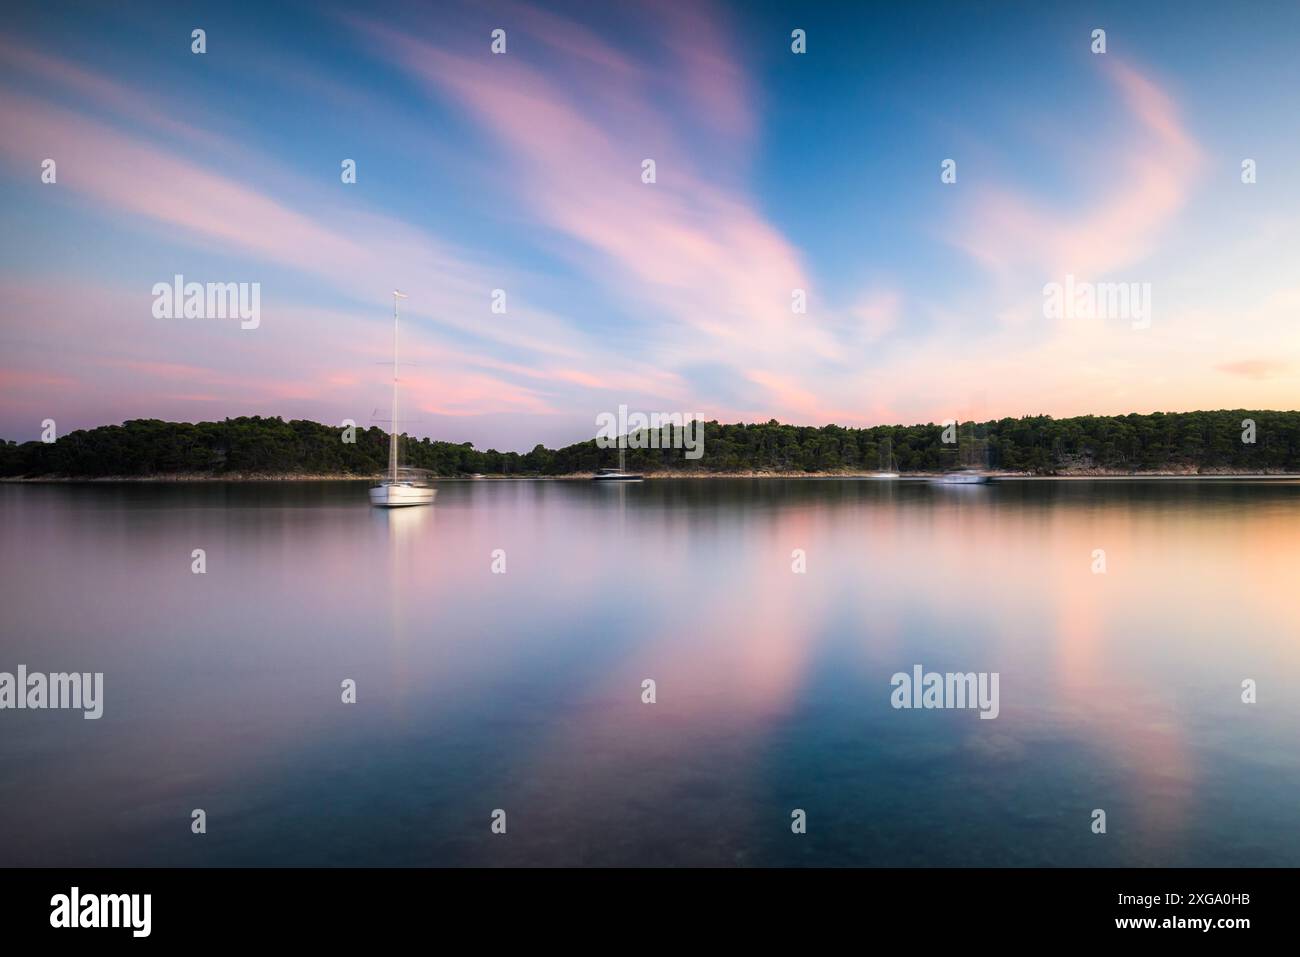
column 400, row 496
column 964, row 478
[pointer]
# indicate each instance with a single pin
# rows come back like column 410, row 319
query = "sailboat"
column 619, row 474
column 401, row 487
column 970, row 474
column 888, row 467
column 967, row 476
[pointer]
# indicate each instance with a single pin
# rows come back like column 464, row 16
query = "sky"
column 522, row 171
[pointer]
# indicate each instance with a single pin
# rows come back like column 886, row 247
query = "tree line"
column 1182, row 441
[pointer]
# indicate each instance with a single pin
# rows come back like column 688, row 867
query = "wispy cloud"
column 1152, row 164
column 1256, row 368
column 139, row 170
column 690, row 251
column 523, row 172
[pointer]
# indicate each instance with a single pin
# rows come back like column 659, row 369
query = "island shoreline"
column 249, row 478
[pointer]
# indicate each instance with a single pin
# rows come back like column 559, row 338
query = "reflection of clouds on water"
column 522, row 690
column 729, row 661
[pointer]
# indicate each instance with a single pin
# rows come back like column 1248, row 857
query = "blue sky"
column 521, row 172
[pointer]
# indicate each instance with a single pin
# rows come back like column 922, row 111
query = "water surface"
column 523, row 691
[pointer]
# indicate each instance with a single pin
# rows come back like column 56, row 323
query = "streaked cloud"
column 522, row 172
column 1256, row 368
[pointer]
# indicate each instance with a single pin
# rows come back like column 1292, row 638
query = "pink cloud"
column 800, row 401
column 132, row 176
column 690, row 247
column 99, row 89
column 1008, row 231
column 14, row 380
column 1256, row 368
column 693, row 256
column 340, row 244
column 877, row 314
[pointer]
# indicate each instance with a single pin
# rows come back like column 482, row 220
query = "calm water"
column 522, row 691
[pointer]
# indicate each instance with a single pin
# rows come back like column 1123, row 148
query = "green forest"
column 1184, row 441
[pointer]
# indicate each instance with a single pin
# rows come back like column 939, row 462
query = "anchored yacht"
column 619, row 474
column 965, row 477
column 888, row 466
column 970, row 474
column 401, row 487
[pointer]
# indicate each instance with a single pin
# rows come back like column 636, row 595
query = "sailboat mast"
column 392, row 432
